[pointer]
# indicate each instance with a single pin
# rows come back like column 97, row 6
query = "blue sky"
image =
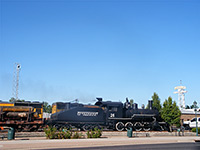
column 90, row 48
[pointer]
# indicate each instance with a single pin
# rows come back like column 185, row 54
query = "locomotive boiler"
column 106, row 114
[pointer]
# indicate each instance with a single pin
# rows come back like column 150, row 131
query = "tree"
column 14, row 100
column 187, row 107
column 190, row 107
column 170, row 112
column 156, row 102
column 131, row 101
column 46, row 107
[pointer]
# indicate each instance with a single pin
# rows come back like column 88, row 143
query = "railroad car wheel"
column 86, row 127
column 19, row 128
column 128, row 125
column 67, row 126
column 138, row 126
column 96, row 127
column 27, row 128
column 119, row 126
column 34, row 128
column 57, row 126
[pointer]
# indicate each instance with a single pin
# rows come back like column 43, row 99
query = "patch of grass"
column 194, row 130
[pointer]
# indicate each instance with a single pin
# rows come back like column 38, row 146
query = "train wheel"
column 86, row 127
column 57, row 126
column 128, row 125
column 34, row 128
column 96, row 127
column 147, row 126
column 18, row 128
column 119, row 126
column 138, row 126
column 67, row 126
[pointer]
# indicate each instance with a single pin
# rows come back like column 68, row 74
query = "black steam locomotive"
column 106, row 114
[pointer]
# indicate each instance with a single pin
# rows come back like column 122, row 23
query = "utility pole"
column 195, row 110
column 17, row 68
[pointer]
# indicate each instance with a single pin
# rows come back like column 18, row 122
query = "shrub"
column 194, row 130
column 96, row 133
column 77, row 135
column 64, row 134
column 50, row 132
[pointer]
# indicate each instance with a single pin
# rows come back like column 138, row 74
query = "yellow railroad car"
column 23, row 116
column 6, row 104
column 58, row 106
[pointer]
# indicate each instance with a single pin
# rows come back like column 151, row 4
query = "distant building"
column 188, row 114
column 46, row 115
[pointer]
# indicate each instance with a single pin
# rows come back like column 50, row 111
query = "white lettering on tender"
column 84, row 113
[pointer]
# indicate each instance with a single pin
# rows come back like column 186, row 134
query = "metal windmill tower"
column 17, row 68
column 181, row 95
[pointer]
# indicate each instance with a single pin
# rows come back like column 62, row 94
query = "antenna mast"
column 17, row 68
column 181, row 94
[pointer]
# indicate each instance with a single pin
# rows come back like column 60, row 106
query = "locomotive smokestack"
column 150, row 104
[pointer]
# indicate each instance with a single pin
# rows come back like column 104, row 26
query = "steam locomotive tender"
column 106, row 114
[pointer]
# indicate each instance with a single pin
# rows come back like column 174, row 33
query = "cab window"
column 113, row 109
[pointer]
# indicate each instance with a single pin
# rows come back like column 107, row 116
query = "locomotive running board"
column 135, row 115
column 143, row 115
column 120, row 118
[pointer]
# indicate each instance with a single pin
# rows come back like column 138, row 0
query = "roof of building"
column 190, row 111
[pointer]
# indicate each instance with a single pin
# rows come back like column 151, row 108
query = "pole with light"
column 195, row 109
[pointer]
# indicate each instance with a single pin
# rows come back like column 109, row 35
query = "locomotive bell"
column 143, row 106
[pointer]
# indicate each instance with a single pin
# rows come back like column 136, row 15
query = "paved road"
column 121, row 142
column 171, row 146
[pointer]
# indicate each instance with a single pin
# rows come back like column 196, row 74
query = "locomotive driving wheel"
column 119, row 126
column 138, row 126
column 147, row 126
column 128, row 125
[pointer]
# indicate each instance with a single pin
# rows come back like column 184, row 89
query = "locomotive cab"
column 112, row 109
